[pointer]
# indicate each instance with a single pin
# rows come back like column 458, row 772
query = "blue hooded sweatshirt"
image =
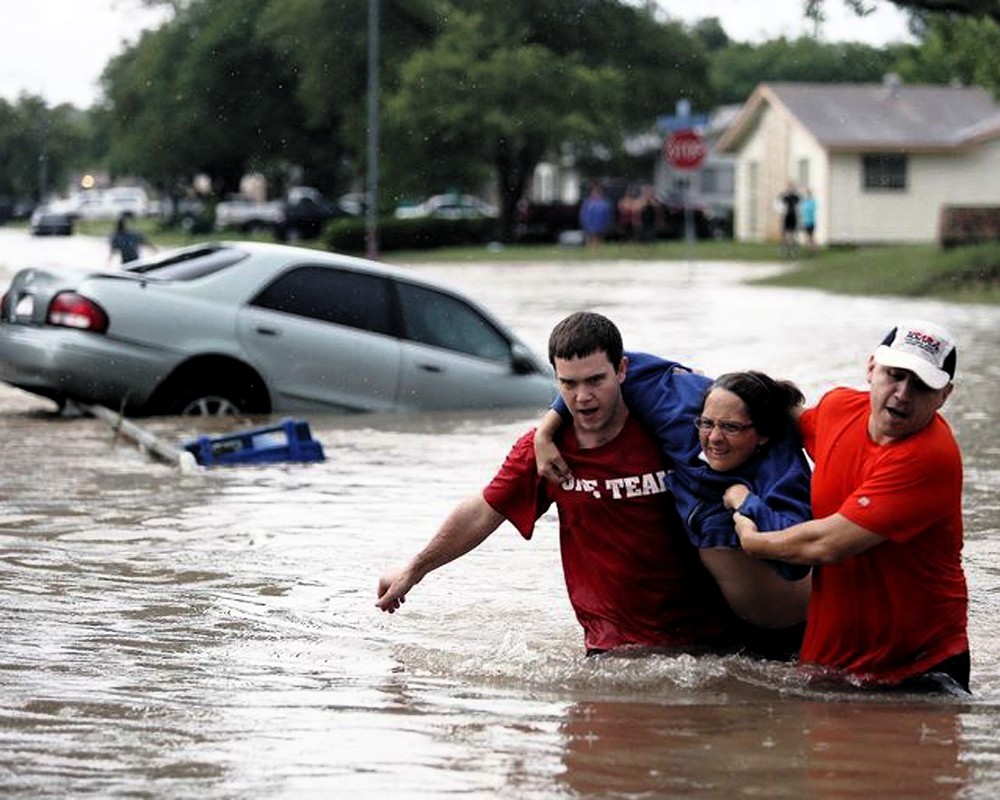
column 666, row 397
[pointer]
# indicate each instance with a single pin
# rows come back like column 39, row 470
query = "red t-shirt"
column 633, row 577
column 900, row 607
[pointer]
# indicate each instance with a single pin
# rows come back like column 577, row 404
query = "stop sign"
column 684, row 149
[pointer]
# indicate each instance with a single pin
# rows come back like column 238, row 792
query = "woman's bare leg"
column 754, row 591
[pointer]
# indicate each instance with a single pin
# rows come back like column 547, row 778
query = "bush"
column 964, row 225
column 424, row 233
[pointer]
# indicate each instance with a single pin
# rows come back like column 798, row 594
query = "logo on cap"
column 924, row 341
column 923, row 348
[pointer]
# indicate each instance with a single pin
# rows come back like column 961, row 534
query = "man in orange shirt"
column 889, row 601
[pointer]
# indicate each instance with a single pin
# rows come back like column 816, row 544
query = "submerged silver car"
column 238, row 327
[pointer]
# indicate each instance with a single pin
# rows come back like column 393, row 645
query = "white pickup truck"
column 301, row 215
column 240, row 213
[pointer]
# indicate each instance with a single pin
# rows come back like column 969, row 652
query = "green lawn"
column 963, row 274
column 710, row 250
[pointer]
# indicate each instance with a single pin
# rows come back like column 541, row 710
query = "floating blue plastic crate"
column 289, row 441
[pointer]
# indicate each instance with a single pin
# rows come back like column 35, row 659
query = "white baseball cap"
column 925, row 349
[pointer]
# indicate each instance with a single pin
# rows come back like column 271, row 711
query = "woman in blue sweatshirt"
column 732, row 444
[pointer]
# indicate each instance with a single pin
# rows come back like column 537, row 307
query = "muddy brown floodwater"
column 214, row 634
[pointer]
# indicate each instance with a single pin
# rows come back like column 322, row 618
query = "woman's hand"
column 746, row 529
column 549, row 461
column 734, row 496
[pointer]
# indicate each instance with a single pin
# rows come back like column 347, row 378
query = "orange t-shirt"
column 900, row 607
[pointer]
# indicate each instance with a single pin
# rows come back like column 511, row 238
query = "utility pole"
column 43, row 157
column 371, row 189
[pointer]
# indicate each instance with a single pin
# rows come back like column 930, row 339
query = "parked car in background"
column 304, row 213
column 190, row 214
column 260, row 328
column 106, row 204
column 240, row 213
column 448, row 206
column 301, row 214
column 6, row 209
column 46, row 221
column 545, row 222
column 353, row 204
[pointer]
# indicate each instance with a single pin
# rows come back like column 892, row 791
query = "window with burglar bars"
column 884, row 171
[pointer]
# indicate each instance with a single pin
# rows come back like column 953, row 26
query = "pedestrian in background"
column 595, row 216
column 788, row 203
column 807, row 216
column 648, row 213
column 127, row 242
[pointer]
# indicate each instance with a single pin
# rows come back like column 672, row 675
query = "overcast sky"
column 58, row 48
column 760, row 20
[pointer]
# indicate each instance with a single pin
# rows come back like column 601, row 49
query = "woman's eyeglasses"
column 728, row 428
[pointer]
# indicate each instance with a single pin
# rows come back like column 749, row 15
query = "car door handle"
column 268, row 332
column 430, row 367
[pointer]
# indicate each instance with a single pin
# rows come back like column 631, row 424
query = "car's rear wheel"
column 211, row 388
column 207, row 405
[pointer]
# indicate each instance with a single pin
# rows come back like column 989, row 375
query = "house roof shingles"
column 876, row 116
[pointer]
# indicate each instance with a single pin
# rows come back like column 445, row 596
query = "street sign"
column 679, row 122
column 684, row 149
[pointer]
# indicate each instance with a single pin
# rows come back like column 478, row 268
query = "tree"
column 39, row 146
column 951, row 51
column 959, row 40
column 202, row 94
column 279, row 85
column 274, row 86
column 659, row 62
column 971, row 8
column 738, row 69
column 473, row 100
column 518, row 80
column 325, row 45
column 711, row 34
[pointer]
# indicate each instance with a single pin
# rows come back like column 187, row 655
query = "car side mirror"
column 521, row 360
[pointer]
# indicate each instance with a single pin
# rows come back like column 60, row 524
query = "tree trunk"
column 515, row 164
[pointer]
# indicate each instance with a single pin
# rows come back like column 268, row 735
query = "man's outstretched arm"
column 465, row 528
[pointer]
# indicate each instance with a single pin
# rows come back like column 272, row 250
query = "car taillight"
column 71, row 310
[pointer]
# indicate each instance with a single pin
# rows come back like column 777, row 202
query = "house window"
column 804, row 173
column 709, row 180
column 717, row 178
column 884, row 171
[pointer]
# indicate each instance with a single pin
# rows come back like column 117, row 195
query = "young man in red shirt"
column 889, row 600
column 632, row 575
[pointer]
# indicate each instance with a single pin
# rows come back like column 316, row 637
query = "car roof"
column 213, row 255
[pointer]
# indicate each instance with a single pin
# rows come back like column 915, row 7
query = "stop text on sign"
column 684, row 149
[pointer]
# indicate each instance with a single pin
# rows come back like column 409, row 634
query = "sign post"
column 684, row 149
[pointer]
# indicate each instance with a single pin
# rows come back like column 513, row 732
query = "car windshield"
column 195, row 262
